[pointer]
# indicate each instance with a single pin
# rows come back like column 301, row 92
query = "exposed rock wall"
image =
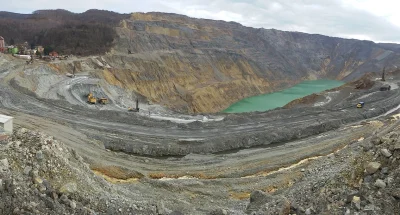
column 189, row 82
column 198, row 65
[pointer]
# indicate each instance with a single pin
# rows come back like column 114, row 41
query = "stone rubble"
column 39, row 175
column 368, row 185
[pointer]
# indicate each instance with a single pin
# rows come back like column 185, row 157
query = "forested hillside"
column 91, row 32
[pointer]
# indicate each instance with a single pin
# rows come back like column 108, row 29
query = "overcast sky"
column 377, row 20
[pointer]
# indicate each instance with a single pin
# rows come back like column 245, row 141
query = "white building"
column 6, row 122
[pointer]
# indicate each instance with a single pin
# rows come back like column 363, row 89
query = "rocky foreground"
column 363, row 178
column 39, row 175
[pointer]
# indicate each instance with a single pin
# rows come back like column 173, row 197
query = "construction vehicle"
column 360, row 105
column 135, row 109
column 385, row 88
column 91, row 99
column 102, row 101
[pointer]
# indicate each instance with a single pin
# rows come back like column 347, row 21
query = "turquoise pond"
column 279, row 99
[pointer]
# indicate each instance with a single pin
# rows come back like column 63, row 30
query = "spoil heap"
column 39, row 175
column 362, row 179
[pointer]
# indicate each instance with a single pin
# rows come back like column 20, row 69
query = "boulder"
column 39, row 155
column 385, row 170
column 37, row 180
column 63, row 199
column 357, row 202
column 257, row 199
column 386, row 153
column 380, row 183
column 376, row 140
column 27, row 170
column 4, row 166
column 68, row 188
column 72, row 204
column 372, row 167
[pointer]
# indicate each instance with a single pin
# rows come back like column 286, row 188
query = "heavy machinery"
column 135, row 109
column 360, row 105
column 102, row 101
column 91, row 99
column 385, row 88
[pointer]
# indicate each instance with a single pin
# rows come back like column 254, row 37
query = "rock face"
column 196, row 65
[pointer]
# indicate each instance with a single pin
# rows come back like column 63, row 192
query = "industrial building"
column 6, row 123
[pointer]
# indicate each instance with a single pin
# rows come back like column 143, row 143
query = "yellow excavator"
column 91, row 99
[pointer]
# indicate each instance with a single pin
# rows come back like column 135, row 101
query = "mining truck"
column 360, row 105
column 102, row 101
column 385, row 88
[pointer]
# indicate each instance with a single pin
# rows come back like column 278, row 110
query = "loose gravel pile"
column 361, row 179
column 39, row 175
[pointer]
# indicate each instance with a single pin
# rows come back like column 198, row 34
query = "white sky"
column 377, row 20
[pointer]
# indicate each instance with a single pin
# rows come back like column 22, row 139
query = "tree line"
column 88, row 33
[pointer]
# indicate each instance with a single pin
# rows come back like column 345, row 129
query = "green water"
column 279, row 99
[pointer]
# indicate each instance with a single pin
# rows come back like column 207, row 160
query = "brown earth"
column 202, row 66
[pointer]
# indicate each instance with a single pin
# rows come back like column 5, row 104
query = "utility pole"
column 73, row 72
column 383, row 74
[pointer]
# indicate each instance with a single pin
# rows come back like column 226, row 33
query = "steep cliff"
column 198, row 65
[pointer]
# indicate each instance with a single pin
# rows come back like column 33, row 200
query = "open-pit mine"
column 151, row 138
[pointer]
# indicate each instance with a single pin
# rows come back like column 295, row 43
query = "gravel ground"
column 195, row 168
